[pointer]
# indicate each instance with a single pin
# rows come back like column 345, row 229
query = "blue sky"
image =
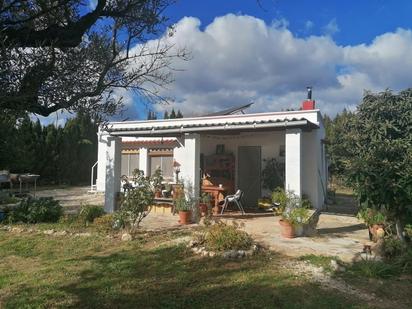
column 242, row 51
column 359, row 21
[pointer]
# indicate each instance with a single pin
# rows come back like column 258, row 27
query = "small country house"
column 223, row 150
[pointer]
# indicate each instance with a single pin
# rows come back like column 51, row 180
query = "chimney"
column 308, row 104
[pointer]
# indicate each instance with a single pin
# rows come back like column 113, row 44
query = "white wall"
column 101, row 159
column 187, row 154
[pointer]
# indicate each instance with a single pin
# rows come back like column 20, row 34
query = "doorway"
column 249, row 170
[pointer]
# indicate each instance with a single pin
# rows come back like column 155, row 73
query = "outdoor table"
column 217, row 192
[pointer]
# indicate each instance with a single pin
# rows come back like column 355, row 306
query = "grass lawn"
column 41, row 271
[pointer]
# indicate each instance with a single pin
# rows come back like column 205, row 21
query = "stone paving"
column 343, row 236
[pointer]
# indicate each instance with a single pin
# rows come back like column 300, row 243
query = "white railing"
column 93, row 186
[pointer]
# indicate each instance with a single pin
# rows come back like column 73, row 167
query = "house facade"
column 226, row 152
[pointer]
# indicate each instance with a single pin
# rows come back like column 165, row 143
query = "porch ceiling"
column 215, row 128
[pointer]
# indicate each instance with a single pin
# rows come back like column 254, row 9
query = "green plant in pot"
column 184, row 208
column 375, row 220
column 157, row 182
column 294, row 216
column 204, row 204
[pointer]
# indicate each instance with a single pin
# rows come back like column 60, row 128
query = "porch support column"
column 188, row 156
column 293, row 161
column 144, row 161
column 113, row 172
column 101, row 159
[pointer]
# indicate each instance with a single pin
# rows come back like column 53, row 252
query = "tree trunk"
column 399, row 229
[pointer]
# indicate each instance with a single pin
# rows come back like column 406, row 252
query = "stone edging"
column 196, row 248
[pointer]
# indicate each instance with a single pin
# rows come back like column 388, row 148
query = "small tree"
column 138, row 202
column 379, row 164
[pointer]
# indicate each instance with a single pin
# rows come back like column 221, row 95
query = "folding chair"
column 235, row 198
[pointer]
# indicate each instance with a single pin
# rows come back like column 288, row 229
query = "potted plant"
column 157, row 180
column 184, row 208
column 375, row 220
column 294, row 216
column 204, row 204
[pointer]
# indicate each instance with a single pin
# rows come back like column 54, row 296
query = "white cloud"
column 238, row 59
column 331, row 27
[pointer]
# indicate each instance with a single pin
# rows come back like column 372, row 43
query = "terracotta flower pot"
column 185, row 217
column 203, row 209
column 286, row 229
column 376, row 231
column 158, row 194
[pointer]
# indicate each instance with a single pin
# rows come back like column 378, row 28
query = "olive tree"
column 379, row 161
column 67, row 54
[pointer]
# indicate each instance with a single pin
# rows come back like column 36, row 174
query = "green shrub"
column 30, row 210
column 393, row 247
column 221, row 237
column 88, row 213
column 104, row 223
column 371, row 216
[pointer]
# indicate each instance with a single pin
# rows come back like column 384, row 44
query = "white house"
column 229, row 149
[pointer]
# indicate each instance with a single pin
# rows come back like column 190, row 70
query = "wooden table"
column 216, row 192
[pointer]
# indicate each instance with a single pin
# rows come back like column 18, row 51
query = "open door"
column 249, row 170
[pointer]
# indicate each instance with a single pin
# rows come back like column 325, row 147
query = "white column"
column 113, row 171
column 187, row 154
column 101, row 161
column 144, row 161
column 293, row 161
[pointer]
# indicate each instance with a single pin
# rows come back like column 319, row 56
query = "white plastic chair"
column 235, row 198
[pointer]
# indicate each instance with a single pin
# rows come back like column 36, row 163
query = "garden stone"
column 48, row 232
column 233, row 254
column 126, row 237
column 212, row 253
column 248, row 252
column 60, row 233
column 226, row 255
column 241, row 253
column 17, row 230
column 86, row 234
column 205, row 253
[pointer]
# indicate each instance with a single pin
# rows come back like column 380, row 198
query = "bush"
column 221, row 237
column 104, row 223
column 88, row 213
column 30, row 210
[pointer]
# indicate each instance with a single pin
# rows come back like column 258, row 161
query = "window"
column 165, row 163
column 130, row 162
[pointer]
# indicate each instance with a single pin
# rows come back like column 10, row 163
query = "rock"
column 48, row 232
column 17, row 230
column 30, row 231
column 334, row 265
column 233, row 254
column 61, row 233
column 212, row 253
column 205, row 253
column 226, row 255
column 241, row 253
column 248, row 252
column 127, row 237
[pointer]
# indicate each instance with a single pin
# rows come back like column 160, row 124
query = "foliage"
column 157, row 179
column 280, row 197
column 272, row 176
column 393, row 247
column 205, row 198
column 68, row 55
column 58, row 154
column 104, row 223
column 379, row 162
column 293, row 209
column 374, row 269
column 408, row 231
column 137, row 203
column 30, row 210
column 6, row 198
column 337, row 130
column 221, row 237
column 88, row 213
column 187, row 201
column 371, row 216
column 296, row 215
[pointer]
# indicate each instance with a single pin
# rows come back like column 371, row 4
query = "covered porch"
column 227, row 152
